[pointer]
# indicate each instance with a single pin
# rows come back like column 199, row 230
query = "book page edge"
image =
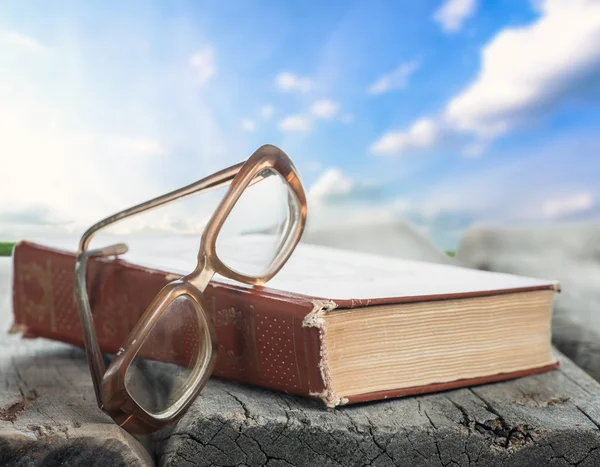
column 314, row 319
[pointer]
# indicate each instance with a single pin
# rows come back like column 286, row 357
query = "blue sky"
column 446, row 113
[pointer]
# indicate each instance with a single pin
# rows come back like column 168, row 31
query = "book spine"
column 263, row 339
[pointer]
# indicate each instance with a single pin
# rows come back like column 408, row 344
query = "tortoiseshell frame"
column 109, row 384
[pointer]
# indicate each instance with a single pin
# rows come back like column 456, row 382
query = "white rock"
column 392, row 239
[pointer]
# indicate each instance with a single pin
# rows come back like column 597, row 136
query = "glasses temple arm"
column 90, row 339
column 219, row 179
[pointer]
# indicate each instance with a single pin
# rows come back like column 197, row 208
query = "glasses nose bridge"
column 201, row 276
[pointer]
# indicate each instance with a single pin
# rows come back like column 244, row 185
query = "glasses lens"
column 257, row 230
column 177, row 349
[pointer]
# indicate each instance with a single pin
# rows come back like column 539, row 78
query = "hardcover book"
column 339, row 326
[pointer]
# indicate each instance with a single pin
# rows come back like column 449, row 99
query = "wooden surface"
column 48, row 411
column 545, row 420
column 580, row 343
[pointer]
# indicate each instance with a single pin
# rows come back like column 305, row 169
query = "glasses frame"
column 109, row 384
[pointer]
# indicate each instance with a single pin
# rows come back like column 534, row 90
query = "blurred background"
column 445, row 114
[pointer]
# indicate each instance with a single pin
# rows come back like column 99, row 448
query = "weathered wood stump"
column 48, row 411
column 550, row 419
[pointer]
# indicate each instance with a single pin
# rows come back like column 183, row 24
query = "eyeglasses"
column 169, row 355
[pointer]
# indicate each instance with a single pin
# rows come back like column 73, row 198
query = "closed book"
column 339, row 326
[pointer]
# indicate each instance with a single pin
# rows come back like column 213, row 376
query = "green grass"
column 452, row 254
column 6, row 248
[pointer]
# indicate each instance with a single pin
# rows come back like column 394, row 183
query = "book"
column 335, row 325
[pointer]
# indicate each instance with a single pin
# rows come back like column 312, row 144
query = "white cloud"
column 75, row 148
column 331, row 183
column 324, row 109
column 525, row 72
column 140, row 146
column 528, row 69
column 203, row 64
column 334, row 186
column 32, row 215
column 397, row 79
column 267, row 111
column 337, row 199
column 565, row 206
column 72, row 179
column 295, row 123
column 532, row 185
column 289, row 82
column 23, row 41
column 453, row 13
column 422, row 134
column 248, row 125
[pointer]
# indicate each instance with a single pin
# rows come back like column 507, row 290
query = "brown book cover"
column 266, row 336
